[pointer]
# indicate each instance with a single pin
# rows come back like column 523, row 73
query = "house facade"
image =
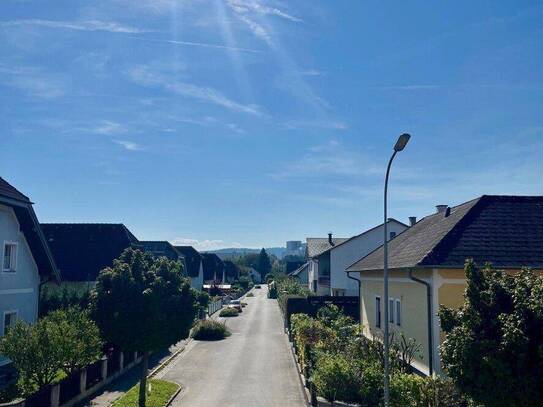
column 426, row 265
column 346, row 253
column 82, row 250
column 213, row 268
column 318, row 259
column 194, row 267
column 25, row 261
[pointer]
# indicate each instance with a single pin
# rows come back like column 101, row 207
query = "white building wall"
column 348, row 253
column 19, row 290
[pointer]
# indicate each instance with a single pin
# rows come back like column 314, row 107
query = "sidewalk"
column 124, row 383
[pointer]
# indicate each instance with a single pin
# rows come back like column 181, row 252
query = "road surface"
column 253, row 367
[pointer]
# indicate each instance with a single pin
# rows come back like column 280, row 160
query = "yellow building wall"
column 413, row 309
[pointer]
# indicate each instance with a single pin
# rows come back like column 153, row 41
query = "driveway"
column 253, row 367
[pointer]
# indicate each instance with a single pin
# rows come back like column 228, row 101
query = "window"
column 9, row 264
column 9, row 320
column 391, row 310
column 378, row 312
column 392, row 235
column 398, row 313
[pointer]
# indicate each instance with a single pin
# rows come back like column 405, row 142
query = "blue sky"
column 226, row 123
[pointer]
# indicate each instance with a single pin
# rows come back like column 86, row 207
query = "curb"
column 300, row 376
column 167, row 361
column 172, row 398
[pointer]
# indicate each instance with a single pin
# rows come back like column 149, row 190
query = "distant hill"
column 235, row 251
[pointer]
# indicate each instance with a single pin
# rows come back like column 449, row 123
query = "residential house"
column 81, row 250
column 231, row 271
column 193, row 265
column 255, row 275
column 213, row 268
column 426, row 264
column 343, row 254
column 301, row 274
column 161, row 248
column 318, row 257
column 25, row 260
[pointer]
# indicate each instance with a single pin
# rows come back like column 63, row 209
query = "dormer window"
column 9, row 260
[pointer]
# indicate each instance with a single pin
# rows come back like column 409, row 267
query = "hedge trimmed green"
column 229, row 312
column 210, row 330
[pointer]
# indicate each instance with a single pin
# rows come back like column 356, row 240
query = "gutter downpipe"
column 429, row 317
column 359, row 296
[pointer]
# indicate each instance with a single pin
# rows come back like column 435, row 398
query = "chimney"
column 412, row 220
column 330, row 238
column 447, row 211
column 441, row 208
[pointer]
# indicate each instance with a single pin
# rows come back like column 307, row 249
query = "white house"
column 25, row 261
column 328, row 258
column 351, row 250
column 194, row 267
column 318, row 258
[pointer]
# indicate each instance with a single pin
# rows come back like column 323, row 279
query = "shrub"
column 336, row 378
column 52, row 300
column 64, row 340
column 494, row 342
column 209, row 330
column 229, row 312
column 250, row 295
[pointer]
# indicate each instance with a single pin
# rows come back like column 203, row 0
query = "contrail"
column 197, row 44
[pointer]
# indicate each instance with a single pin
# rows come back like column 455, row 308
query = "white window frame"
column 14, row 258
column 398, row 311
column 391, row 304
column 378, row 311
column 11, row 311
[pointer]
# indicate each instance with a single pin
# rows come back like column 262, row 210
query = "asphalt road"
column 253, row 367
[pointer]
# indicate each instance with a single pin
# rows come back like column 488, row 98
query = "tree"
column 494, row 342
column 64, row 340
column 143, row 304
column 264, row 264
column 79, row 338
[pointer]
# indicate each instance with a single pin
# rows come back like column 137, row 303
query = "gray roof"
column 506, row 231
column 29, row 226
column 318, row 245
column 299, row 269
column 390, row 220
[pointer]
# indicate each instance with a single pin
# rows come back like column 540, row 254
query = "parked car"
column 258, row 286
column 236, row 304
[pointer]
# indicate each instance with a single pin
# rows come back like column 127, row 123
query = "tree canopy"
column 493, row 348
column 143, row 304
column 264, row 265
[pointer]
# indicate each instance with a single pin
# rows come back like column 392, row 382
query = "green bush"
column 336, row 378
column 209, row 330
column 229, row 312
column 250, row 295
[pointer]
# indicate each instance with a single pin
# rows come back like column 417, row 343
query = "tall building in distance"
column 295, row 248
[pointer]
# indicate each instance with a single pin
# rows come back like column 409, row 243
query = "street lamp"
column 399, row 146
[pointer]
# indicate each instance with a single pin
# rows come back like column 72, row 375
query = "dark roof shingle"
column 506, row 231
column 192, row 259
column 81, row 250
column 10, row 191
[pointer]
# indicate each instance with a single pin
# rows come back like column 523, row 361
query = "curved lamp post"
column 399, row 146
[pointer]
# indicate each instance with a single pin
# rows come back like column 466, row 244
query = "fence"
column 213, row 307
column 310, row 305
column 84, row 383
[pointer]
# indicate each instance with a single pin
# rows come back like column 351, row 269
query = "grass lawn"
column 161, row 391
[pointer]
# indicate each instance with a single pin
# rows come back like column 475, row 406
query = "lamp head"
column 402, row 142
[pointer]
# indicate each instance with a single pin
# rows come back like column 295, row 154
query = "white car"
column 236, row 304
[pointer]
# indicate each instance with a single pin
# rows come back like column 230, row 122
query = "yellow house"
column 426, row 265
